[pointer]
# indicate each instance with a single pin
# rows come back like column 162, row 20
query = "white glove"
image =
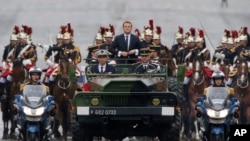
column 49, row 62
column 27, row 62
column 70, row 60
column 219, row 55
column 5, row 66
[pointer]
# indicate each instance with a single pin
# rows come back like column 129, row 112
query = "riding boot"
column 51, row 85
column 185, row 92
column 3, row 95
column 5, row 133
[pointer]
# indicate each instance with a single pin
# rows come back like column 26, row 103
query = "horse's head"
column 198, row 73
column 64, row 67
column 242, row 77
column 19, row 71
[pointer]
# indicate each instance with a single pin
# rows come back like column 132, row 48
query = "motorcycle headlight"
column 217, row 114
column 33, row 112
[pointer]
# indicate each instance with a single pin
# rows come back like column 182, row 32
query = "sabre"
column 206, row 34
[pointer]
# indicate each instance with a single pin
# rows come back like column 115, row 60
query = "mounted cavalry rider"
column 5, row 76
column 148, row 35
column 178, row 47
column 99, row 41
column 26, row 50
column 66, row 49
column 108, row 40
column 199, row 50
column 242, row 51
column 52, row 56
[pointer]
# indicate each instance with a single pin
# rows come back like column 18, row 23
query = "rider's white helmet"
column 218, row 75
column 35, row 70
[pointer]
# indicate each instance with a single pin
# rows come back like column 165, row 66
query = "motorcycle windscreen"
column 217, row 98
column 34, row 95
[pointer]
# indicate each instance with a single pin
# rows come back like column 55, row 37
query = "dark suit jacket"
column 109, row 69
column 119, row 44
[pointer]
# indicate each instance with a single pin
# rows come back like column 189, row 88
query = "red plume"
column 69, row 28
column 236, row 34
column 29, row 30
column 137, row 31
column 158, row 30
column 180, row 30
column 102, row 30
column 112, row 29
column 24, row 28
column 192, row 31
column 16, row 30
column 63, row 29
column 226, row 33
column 201, row 33
column 245, row 30
column 151, row 24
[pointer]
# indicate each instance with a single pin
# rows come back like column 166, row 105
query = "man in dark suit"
column 144, row 65
column 126, row 46
column 103, row 66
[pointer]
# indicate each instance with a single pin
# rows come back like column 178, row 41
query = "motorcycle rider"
column 35, row 76
column 218, row 78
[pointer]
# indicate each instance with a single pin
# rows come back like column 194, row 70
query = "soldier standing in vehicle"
column 127, row 45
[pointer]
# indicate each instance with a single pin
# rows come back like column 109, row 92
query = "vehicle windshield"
column 34, row 94
column 217, row 97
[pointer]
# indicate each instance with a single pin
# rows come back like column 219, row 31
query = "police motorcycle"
column 34, row 114
column 215, row 113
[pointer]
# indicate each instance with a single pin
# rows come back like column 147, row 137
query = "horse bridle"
column 202, row 80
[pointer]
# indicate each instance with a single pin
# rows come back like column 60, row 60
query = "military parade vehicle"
column 126, row 104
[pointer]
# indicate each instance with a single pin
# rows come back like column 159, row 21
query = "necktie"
column 101, row 69
column 126, row 40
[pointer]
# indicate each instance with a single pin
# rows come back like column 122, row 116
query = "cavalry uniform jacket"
column 202, row 52
column 72, row 52
column 7, row 50
column 56, row 49
column 32, row 55
column 175, row 49
column 145, row 44
column 229, row 55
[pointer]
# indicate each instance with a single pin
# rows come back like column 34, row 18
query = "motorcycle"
column 34, row 114
column 215, row 113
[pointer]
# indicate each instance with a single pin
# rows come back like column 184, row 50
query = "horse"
column 199, row 81
column 19, row 75
column 63, row 91
column 242, row 90
column 165, row 58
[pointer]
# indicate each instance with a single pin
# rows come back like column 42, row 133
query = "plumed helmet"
column 230, row 40
column 157, row 34
column 224, row 39
column 13, row 37
column 98, row 36
column 35, row 70
column 148, row 31
column 200, row 36
column 179, row 34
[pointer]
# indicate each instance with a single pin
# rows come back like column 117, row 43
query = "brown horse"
column 63, row 91
column 19, row 75
column 165, row 58
column 199, row 81
column 242, row 90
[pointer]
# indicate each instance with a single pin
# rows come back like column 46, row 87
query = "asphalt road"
column 85, row 16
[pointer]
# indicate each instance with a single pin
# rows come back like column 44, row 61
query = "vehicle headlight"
column 155, row 101
column 33, row 112
column 95, row 101
column 217, row 114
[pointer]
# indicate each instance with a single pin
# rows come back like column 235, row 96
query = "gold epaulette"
column 233, row 49
column 231, row 90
